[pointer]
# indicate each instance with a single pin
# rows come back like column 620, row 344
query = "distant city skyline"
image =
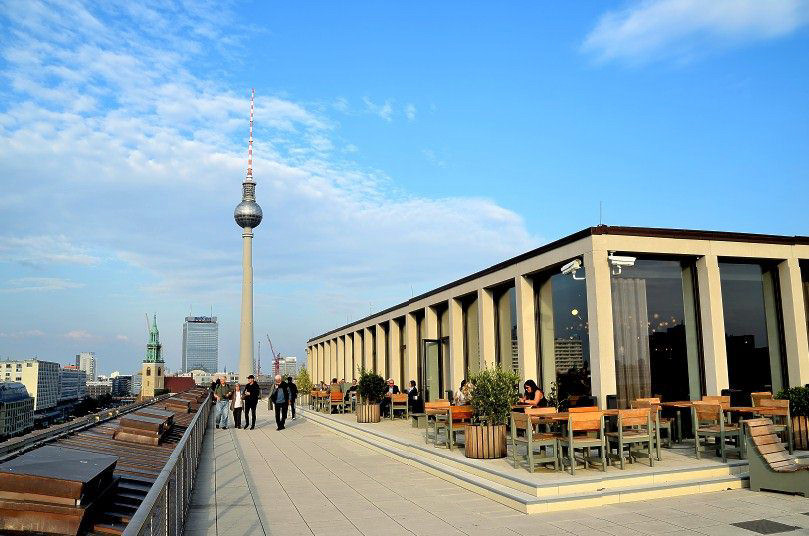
column 432, row 139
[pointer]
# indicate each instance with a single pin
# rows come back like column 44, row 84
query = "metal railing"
column 17, row 446
column 165, row 507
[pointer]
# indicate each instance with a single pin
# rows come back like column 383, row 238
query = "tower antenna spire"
column 250, row 141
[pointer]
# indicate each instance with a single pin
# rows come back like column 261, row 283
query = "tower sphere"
column 248, row 214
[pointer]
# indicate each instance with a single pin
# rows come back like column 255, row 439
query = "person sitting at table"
column 351, row 391
column 533, row 395
column 393, row 389
column 334, row 385
column 460, row 395
column 414, row 402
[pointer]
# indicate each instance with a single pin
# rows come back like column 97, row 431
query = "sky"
column 398, row 146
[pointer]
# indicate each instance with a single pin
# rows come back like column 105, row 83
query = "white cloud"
column 78, row 335
column 44, row 249
column 22, row 334
column 655, row 29
column 39, row 284
column 384, row 110
column 410, row 112
column 431, row 157
column 122, row 338
column 146, row 172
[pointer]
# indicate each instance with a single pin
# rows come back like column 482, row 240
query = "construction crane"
column 276, row 358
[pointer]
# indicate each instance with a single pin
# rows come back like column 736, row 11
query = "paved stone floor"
column 306, row 480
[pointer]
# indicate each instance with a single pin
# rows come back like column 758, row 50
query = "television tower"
column 248, row 216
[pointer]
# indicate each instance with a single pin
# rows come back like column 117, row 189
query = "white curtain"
column 630, row 318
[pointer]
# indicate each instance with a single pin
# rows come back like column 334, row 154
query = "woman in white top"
column 460, row 396
column 236, row 405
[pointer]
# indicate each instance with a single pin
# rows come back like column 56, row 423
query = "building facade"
column 608, row 312
column 86, row 361
column 121, row 386
column 40, row 378
column 16, row 410
column 288, row 366
column 72, row 384
column 200, row 343
column 99, row 388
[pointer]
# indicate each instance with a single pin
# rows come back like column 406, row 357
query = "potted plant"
column 370, row 390
column 493, row 394
column 799, row 411
column 304, row 383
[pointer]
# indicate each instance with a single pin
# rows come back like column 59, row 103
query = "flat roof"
column 653, row 232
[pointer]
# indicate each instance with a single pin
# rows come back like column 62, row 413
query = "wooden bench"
column 771, row 467
column 418, row 420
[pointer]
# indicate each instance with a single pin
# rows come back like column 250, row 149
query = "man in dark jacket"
column 250, row 398
column 414, row 401
column 393, row 389
column 279, row 397
column 293, row 394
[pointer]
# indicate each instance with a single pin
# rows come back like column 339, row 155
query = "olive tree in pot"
column 371, row 388
column 799, row 412
column 494, row 392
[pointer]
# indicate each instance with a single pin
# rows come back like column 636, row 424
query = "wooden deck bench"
column 771, row 466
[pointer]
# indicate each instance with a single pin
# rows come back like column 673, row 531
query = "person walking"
column 252, row 392
column 279, row 398
column 222, row 393
column 293, row 394
column 236, row 405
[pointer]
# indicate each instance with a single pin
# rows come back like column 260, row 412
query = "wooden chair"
column 755, row 398
column 399, row 402
column 771, row 468
column 709, row 421
column 532, row 439
column 312, row 398
column 434, row 410
column 780, row 409
column 336, row 401
column 660, row 423
column 457, row 419
column 580, row 424
column 634, row 426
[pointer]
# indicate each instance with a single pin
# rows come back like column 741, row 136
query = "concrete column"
column 547, row 337
column 486, row 327
column 368, row 350
column 394, row 351
column 411, row 350
column 430, row 323
column 341, row 358
column 381, row 351
column 456, row 342
column 526, row 329
column 794, row 311
column 246, row 340
column 599, row 318
column 349, row 357
column 329, row 368
column 712, row 318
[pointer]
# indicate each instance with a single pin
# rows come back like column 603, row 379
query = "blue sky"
column 398, row 146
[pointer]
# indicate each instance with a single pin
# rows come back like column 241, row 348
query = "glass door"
column 432, row 380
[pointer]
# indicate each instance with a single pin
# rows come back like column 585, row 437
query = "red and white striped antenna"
column 250, row 142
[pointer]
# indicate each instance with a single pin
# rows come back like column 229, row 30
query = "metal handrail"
column 143, row 517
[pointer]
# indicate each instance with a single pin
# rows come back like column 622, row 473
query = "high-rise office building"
column 288, row 366
column 200, row 343
column 86, row 361
column 41, row 380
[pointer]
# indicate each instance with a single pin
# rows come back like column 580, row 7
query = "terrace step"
column 529, row 497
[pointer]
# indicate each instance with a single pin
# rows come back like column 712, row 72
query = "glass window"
column 400, row 322
column 505, row 333
column 372, row 332
column 563, row 335
column 752, row 327
column 655, row 331
column 471, row 344
column 805, row 281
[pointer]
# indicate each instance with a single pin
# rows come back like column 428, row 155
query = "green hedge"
column 798, row 400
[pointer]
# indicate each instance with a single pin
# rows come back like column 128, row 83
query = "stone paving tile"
column 309, row 481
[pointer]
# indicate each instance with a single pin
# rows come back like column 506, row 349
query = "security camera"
column 618, row 261
column 571, row 268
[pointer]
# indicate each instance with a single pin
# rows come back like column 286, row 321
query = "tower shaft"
column 246, row 326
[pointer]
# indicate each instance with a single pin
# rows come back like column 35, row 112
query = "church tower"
column 153, row 368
